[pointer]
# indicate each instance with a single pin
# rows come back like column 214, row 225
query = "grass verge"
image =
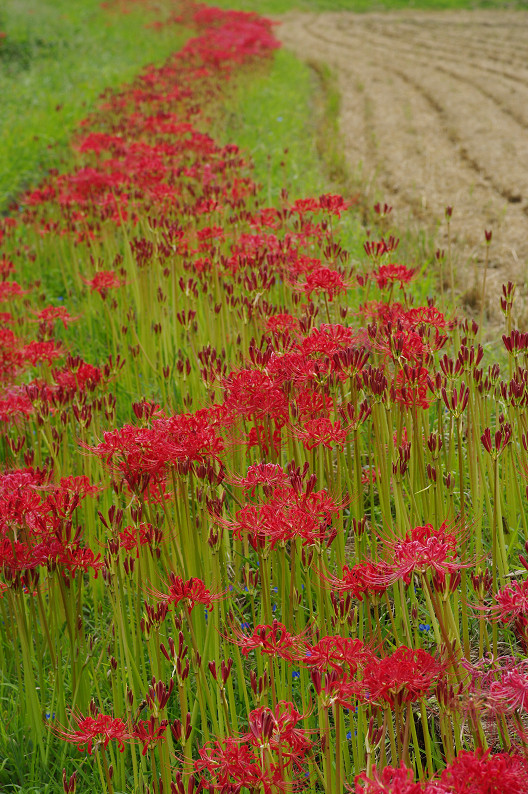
column 56, row 57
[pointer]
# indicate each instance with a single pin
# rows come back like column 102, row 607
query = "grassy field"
column 55, row 58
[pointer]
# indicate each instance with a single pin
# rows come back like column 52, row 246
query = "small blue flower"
column 296, row 674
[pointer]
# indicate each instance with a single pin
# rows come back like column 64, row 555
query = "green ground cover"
column 55, row 59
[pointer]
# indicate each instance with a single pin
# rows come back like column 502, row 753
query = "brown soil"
column 434, row 113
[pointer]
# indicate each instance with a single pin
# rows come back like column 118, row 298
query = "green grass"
column 56, row 58
column 282, row 6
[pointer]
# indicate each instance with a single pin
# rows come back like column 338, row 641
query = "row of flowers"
column 272, row 538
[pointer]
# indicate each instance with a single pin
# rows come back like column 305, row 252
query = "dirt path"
column 435, row 114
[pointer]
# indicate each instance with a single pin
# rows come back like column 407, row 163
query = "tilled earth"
column 434, row 113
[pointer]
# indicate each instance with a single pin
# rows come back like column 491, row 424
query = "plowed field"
column 434, row 113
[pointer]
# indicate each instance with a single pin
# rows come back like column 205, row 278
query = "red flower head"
column 389, row 274
column 103, row 281
column 271, row 640
column 336, row 653
column 403, row 677
column 192, row 592
column 277, row 731
column 423, row 549
column 389, row 780
column 324, row 280
column 481, row 772
column 93, row 731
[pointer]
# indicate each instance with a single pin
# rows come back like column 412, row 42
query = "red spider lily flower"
column 391, row 780
column 328, row 339
column 410, row 387
column 231, row 766
column 271, row 640
column 512, row 602
column 512, row 607
column 403, row 677
column 389, row 274
column 334, row 204
column 14, row 404
column 94, row 731
column 277, row 731
column 510, row 692
column 80, row 485
column 253, row 393
column 367, row 578
column 192, row 592
column 323, row 279
column 337, row 688
column 186, row 439
column 47, row 351
column 287, row 515
column 6, row 266
column 103, row 281
column 332, row 653
column 480, row 772
column 301, row 206
column 10, row 289
column 268, row 475
column 282, row 322
column 423, row 549
column 322, row 431
column 149, row 732
column 50, row 314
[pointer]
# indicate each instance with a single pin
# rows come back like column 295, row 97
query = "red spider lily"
column 50, row 314
column 512, row 607
column 94, row 731
column 389, row 274
column 391, row 780
column 337, row 688
column 333, row 653
column 14, row 404
column 186, row 438
column 103, row 281
column 192, row 592
column 271, row 640
column 510, row 692
column 327, row 339
column 480, row 772
column 10, row 290
column 231, row 766
column 512, row 602
column 287, row 515
column 410, row 387
column 253, row 393
column 149, row 732
column 323, row 279
column 334, row 204
column 423, row 549
column 268, row 475
column 46, row 351
column 277, row 731
column 322, row 431
column 404, row 676
column 282, row 322
column 367, row 578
